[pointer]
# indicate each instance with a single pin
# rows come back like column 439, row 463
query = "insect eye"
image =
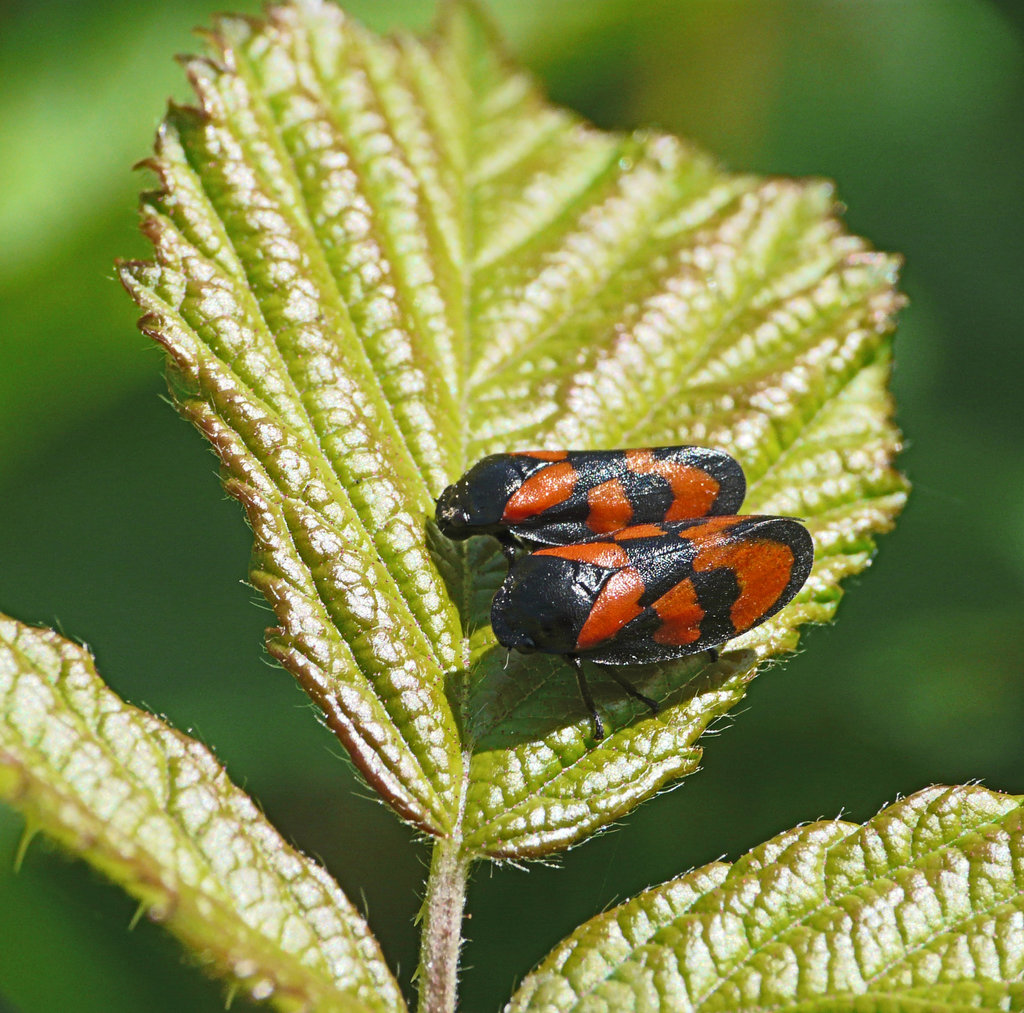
column 451, row 514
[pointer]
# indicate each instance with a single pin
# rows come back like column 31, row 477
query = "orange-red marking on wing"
column 680, row 614
column 710, row 526
column 693, row 490
column 615, row 606
column 546, row 488
column 638, row 531
column 610, row 508
column 543, row 455
column 606, row 554
column 762, row 570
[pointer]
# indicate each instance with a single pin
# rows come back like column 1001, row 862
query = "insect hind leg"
column 588, row 699
column 652, row 705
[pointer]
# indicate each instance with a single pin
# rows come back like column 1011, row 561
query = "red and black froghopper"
column 557, row 497
column 652, row 592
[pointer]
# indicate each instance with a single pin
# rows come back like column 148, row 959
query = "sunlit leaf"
column 921, row 908
column 378, row 259
column 154, row 811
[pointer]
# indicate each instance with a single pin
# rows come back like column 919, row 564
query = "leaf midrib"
column 467, row 222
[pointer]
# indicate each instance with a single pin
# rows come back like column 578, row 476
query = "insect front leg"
column 588, row 700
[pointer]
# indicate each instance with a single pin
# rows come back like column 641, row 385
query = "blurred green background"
column 113, row 526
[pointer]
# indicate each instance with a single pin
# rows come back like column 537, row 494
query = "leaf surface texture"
column 376, row 260
column 921, row 908
column 154, row 811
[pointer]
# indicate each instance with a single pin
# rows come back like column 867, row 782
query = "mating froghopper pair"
column 630, row 557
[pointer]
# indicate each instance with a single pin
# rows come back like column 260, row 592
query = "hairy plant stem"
column 442, row 928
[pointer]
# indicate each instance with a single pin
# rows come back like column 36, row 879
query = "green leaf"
column 921, row 908
column 153, row 810
column 379, row 259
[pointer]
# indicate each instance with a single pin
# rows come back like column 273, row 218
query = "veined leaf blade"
column 379, row 259
column 153, row 809
column 919, row 908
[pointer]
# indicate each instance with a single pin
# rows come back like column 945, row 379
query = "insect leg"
column 588, row 700
column 632, row 690
column 712, row 653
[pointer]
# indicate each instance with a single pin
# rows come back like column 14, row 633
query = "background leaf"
column 919, row 908
column 378, row 260
column 152, row 809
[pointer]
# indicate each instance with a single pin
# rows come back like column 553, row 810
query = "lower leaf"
column 154, row 811
column 921, row 908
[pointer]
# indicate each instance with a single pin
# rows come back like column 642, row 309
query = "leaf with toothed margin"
column 378, row 259
column 921, row 908
column 154, row 811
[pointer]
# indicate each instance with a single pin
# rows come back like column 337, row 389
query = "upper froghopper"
column 552, row 497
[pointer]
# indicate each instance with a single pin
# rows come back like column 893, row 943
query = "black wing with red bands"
column 652, row 592
column 557, row 497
